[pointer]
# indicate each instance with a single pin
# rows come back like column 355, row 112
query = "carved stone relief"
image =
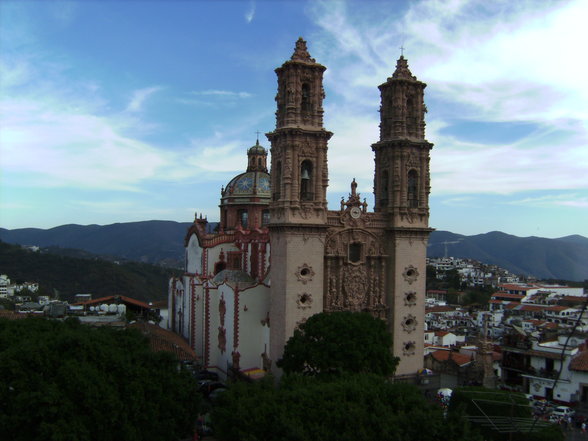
column 410, row 298
column 408, row 348
column 222, row 310
column 305, row 273
column 410, row 274
column 304, row 301
column 355, row 283
column 222, row 339
column 409, row 323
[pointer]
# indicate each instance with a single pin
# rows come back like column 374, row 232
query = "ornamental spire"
column 301, row 52
column 402, row 71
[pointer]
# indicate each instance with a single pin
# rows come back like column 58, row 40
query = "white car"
column 562, row 411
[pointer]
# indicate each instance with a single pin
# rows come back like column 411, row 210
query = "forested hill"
column 157, row 242
column 565, row 258
column 162, row 243
column 67, row 276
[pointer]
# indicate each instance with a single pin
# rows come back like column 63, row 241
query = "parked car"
column 562, row 412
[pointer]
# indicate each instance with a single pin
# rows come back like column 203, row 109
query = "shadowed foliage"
column 337, row 342
column 68, row 381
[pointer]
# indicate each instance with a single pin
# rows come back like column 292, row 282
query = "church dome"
column 249, row 184
column 257, row 150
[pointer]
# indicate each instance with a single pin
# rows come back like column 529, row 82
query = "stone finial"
column 301, row 52
column 402, row 71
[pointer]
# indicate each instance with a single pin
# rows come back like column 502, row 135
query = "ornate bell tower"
column 401, row 187
column 298, row 209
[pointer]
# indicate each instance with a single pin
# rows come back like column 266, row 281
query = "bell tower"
column 401, row 189
column 298, row 208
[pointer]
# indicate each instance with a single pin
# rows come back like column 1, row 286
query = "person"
column 583, row 426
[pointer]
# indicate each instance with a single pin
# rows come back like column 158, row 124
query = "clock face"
column 355, row 212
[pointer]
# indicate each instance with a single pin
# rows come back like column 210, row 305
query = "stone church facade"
column 238, row 303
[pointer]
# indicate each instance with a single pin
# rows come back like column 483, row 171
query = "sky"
column 121, row 111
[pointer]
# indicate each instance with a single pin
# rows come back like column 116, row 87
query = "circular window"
column 410, row 323
column 410, row 274
column 304, row 273
column 409, row 348
column 410, row 298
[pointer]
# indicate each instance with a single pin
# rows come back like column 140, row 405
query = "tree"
column 348, row 407
column 336, row 342
column 65, row 381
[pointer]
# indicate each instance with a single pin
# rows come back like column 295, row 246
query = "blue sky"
column 120, row 111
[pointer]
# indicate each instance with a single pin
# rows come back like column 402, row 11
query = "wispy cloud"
column 139, row 97
column 499, row 61
column 250, row 14
column 565, row 199
column 223, row 93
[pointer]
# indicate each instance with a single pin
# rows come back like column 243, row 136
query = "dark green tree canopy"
column 68, row 381
column 347, row 407
column 336, row 342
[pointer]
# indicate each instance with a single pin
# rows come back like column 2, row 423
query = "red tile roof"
column 580, row 362
column 163, row 340
column 124, row 299
column 507, row 295
column 444, row 356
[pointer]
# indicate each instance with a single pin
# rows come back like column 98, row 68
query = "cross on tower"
column 402, row 50
column 258, row 132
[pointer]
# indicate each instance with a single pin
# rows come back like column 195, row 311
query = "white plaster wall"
column 253, row 336
column 218, row 358
column 194, row 256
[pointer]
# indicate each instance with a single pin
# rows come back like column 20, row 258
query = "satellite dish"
column 104, row 307
column 112, row 308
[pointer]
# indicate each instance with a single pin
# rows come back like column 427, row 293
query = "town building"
column 280, row 255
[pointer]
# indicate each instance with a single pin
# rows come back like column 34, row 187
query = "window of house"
column 265, row 217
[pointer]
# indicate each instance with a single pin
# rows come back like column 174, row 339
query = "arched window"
column 305, row 103
column 384, row 189
column 306, row 193
column 277, row 182
column 265, row 217
column 413, row 189
column 243, row 218
column 259, row 162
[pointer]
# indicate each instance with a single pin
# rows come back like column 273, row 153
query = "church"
column 279, row 255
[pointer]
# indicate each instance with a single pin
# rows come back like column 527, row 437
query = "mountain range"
column 162, row 242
